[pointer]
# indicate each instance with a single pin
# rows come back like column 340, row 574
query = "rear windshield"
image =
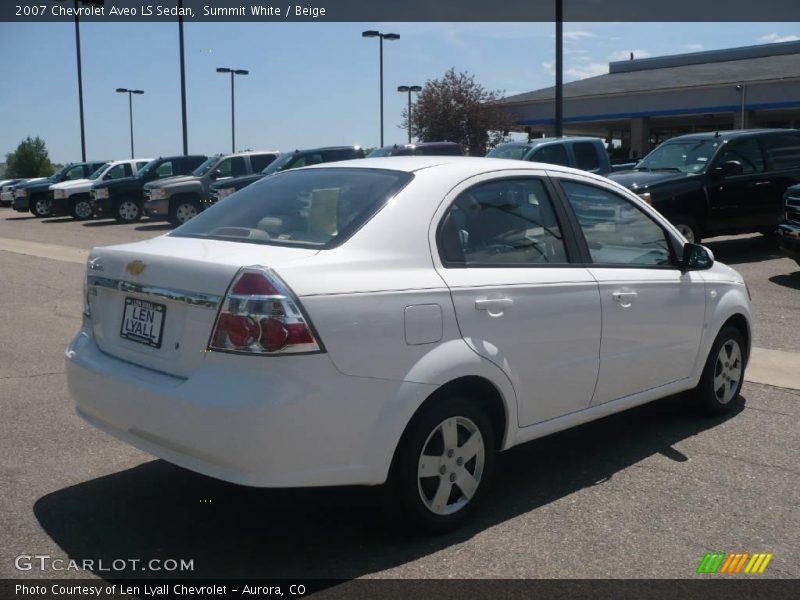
column 308, row 208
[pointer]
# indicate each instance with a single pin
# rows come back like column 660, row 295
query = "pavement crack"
column 6, row 377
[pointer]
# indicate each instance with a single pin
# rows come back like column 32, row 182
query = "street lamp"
column 409, row 89
column 233, row 72
column 130, row 108
column 381, row 36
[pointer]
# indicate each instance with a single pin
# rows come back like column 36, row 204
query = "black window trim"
column 675, row 247
column 571, row 246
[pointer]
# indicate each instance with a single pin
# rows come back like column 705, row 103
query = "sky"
column 310, row 84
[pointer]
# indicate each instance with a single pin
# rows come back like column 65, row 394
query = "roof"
column 728, row 135
column 737, row 65
column 545, row 140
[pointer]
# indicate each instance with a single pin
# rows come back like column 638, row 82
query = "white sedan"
column 400, row 319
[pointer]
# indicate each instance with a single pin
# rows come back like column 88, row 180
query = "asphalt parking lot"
column 645, row 493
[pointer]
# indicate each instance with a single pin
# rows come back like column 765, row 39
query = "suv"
column 178, row 199
column 72, row 197
column 789, row 229
column 122, row 198
column 585, row 153
column 290, row 160
column 420, row 149
column 32, row 195
column 719, row 183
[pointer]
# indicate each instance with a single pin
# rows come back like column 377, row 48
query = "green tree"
column 30, row 159
column 456, row 108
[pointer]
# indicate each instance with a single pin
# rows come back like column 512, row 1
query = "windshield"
column 281, row 163
column 386, row 151
column 149, row 167
column 206, row 166
column 99, row 171
column 60, row 173
column 515, row 152
column 680, row 156
column 307, row 208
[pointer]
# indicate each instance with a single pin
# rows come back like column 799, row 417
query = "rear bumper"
column 789, row 240
column 294, row 422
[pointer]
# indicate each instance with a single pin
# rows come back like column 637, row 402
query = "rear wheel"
column 723, row 374
column 81, row 209
column 183, row 210
column 40, row 206
column 444, row 464
column 127, row 211
column 688, row 228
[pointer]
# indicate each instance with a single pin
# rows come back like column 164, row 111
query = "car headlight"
column 157, row 194
column 59, row 194
column 224, row 192
column 20, row 193
column 646, row 197
column 101, row 193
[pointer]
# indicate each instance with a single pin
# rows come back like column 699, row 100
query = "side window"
column 75, row 173
column 116, row 172
column 307, row 160
column 586, row 156
column 128, row 169
column 553, row 154
column 164, row 169
column 505, row 222
column 259, row 162
column 747, row 152
column 231, row 167
column 616, row 231
column 140, row 164
column 782, row 151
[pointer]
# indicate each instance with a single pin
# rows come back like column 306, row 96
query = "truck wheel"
column 81, row 209
column 182, row 211
column 127, row 211
column 444, row 464
column 688, row 228
column 40, row 206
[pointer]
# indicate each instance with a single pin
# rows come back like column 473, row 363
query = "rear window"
column 315, row 208
column 552, row 154
column 586, row 156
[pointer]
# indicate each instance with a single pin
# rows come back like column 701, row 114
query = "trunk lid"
column 154, row 303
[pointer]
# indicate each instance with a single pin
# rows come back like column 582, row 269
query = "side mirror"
column 696, row 258
column 729, row 168
column 214, row 175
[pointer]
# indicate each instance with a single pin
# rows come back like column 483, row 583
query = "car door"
column 653, row 312
column 739, row 202
column 506, row 254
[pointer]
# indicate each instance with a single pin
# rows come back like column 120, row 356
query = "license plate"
column 143, row 322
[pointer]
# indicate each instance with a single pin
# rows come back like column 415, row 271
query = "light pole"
column 381, row 36
column 742, row 88
column 409, row 89
column 130, row 108
column 183, row 80
column 558, row 129
column 233, row 72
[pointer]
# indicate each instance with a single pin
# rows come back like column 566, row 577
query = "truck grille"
column 793, row 208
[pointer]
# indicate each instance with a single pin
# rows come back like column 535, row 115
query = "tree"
column 30, row 159
column 456, row 108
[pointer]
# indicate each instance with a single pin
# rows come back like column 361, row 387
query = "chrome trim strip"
column 192, row 298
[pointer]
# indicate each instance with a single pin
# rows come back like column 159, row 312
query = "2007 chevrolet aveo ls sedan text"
column 400, row 320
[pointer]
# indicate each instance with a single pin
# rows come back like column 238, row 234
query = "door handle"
column 494, row 306
column 625, row 299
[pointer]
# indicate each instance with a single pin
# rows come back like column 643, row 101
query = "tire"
column 40, row 206
column 723, row 374
column 688, row 228
column 81, row 209
column 437, row 503
column 127, row 211
column 183, row 210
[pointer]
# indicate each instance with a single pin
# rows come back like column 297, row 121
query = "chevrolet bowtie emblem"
column 135, row 267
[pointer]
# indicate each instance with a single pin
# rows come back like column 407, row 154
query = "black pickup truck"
column 789, row 229
column 122, row 198
column 719, row 183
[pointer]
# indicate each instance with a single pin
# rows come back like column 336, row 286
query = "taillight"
column 260, row 315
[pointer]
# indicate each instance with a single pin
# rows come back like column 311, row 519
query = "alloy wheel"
column 128, row 211
column 184, row 212
column 450, row 466
column 686, row 232
column 42, row 207
column 83, row 209
column 728, row 371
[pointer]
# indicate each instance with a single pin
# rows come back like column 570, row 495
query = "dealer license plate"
column 143, row 322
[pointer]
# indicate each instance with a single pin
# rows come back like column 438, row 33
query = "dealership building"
column 642, row 102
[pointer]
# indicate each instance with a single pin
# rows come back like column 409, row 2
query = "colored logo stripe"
column 721, row 562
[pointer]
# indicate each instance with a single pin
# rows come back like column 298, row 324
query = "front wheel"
column 688, row 228
column 81, row 209
column 723, row 374
column 127, row 211
column 444, row 465
column 40, row 206
column 182, row 211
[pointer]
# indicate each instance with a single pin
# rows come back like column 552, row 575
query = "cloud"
column 578, row 35
column 549, row 67
column 775, row 38
column 626, row 54
column 693, row 47
column 584, row 71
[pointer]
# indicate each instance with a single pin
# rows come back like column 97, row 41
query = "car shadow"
column 58, row 220
column 790, row 280
column 751, row 249
column 157, row 510
column 27, row 218
column 99, row 223
column 154, row 227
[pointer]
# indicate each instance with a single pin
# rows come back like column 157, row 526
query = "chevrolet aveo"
column 400, row 320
